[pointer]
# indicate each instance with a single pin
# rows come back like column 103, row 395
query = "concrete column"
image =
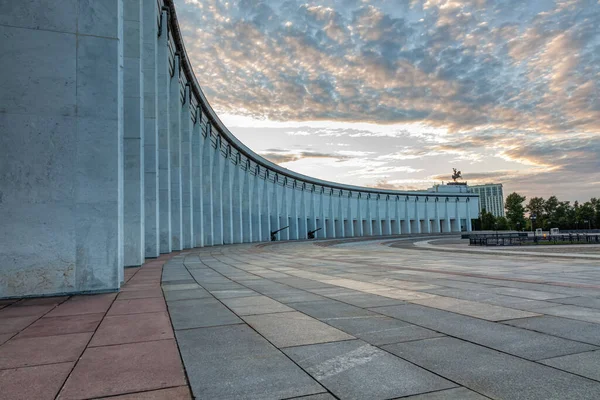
column 359, row 225
column 377, row 231
column 217, row 195
column 265, row 210
column 236, row 200
column 187, row 202
column 164, row 141
column 427, row 222
column 457, row 215
column 247, row 206
column 175, row 136
column 227, row 199
column 197, row 183
column 294, row 215
column 447, row 225
column 274, row 215
column 151, row 198
column 407, row 216
column 133, row 130
column 323, row 232
column 257, row 233
column 283, row 213
column 388, row 219
column 340, row 213
column 207, row 187
column 398, row 229
column 417, row 215
column 437, row 214
column 312, row 212
column 467, row 204
column 61, row 155
column 303, row 215
column 369, row 231
column 331, row 232
column 350, row 231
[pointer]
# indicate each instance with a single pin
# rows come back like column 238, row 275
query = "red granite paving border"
column 81, row 347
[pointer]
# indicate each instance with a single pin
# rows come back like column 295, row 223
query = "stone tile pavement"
column 82, row 347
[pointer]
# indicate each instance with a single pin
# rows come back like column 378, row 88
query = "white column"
column 304, row 215
column 175, row 133
column 427, row 222
column 417, row 215
column 257, row 232
column 437, row 214
column 388, row 219
column 247, row 205
column 407, row 216
column 207, row 186
column 283, row 213
column 164, row 141
column 340, row 213
column 359, row 220
column 133, row 129
column 350, row 231
column 150, row 72
column 266, row 209
column 323, row 232
column 227, row 198
column 467, row 204
column 331, row 233
column 447, row 224
column 458, row 222
column 187, row 202
column 312, row 212
column 217, row 197
column 294, row 214
column 369, row 231
column 398, row 229
column 236, row 200
column 197, row 183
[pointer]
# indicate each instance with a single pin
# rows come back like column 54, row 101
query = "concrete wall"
column 61, row 146
column 110, row 153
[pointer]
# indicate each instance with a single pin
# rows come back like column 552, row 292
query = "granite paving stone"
column 42, row 350
column 460, row 393
column 189, row 294
column 325, row 309
column 255, row 305
column 131, row 328
column 91, row 304
column 574, row 312
column 380, row 330
column 229, row 294
column 140, row 294
column 41, row 382
column 585, row 364
column 234, row 362
column 136, row 306
column 294, row 329
column 494, row 374
column 353, row 369
column 474, row 309
column 50, row 326
column 15, row 324
column 127, row 368
column 198, row 313
column 579, row 301
column 177, row 393
column 180, row 286
column 4, row 337
column 567, row 328
column 25, row 311
column 519, row 342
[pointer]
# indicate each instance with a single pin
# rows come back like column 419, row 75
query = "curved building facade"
column 111, row 154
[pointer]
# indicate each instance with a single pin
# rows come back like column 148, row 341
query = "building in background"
column 491, row 198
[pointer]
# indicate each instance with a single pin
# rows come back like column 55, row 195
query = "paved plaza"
column 345, row 319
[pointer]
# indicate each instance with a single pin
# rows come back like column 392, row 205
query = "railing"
column 523, row 238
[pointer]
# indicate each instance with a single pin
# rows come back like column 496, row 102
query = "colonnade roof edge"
column 212, row 116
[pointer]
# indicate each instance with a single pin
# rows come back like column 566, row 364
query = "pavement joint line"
column 112, row 396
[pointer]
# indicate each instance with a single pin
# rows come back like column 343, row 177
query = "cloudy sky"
column 394, row 93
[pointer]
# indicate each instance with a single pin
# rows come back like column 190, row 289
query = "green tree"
column 536, row 207
column 550, row 211
column 586, row 213
column 515, row 212
column 502, row 224
column 487, row 220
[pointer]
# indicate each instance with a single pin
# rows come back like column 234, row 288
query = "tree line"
column 542, row 213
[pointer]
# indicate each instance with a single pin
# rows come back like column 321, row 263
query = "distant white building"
column 491, row 198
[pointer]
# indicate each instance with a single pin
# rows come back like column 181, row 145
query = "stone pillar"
column 427, row 221
column 217, row 195
column 257, row 233
column 312, row 225
column 227, row 199
column 175, row 135
column 467, row 204
column 274, row 215
column 293, row 215
column 61, row 155
column 207, row 187
column 388, row 219
column 398, row 229
column 150, row 61
column 437, row 214
column 417, row 215
column 323, row 232
column 283, row 214
column 407, row 216
column 265, row 210
column 447, row 224
column 350, row 231
column 304, row 215
column 457, row 215
column 187, row 212
column 340, row 213
column 236, row 200
column 197, row 183
column 164, row 140
column 359, row 224
column 133, row 134
column 247, row 206
column 331, row 232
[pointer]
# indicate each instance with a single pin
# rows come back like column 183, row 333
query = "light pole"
column 587, row 221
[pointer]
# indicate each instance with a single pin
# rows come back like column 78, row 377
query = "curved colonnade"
column 152, row 169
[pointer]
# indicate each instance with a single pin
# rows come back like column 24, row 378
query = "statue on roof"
column 456, row 175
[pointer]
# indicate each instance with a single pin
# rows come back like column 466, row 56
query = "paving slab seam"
column 496, row 350
column 258, row 333
column 380, row 348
